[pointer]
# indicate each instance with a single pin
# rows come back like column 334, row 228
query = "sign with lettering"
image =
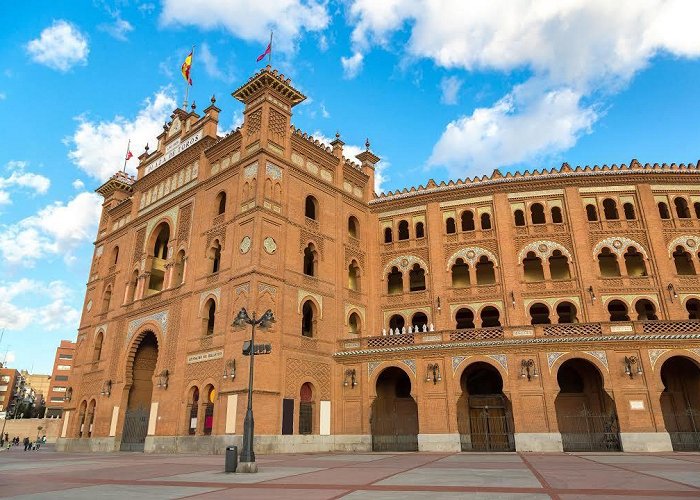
column 172, row 152
column 205, row 356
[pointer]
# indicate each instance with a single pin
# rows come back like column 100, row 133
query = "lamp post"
column 247, row 463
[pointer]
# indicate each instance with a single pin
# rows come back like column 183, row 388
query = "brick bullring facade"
column 532, row 311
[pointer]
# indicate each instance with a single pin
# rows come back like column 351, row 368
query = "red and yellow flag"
column 186, row 67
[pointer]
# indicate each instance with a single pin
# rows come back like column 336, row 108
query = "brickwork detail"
column 298, row 369
column 254, row 122
column 185, row 220
column 138, row 246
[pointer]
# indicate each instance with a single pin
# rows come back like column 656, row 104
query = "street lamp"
column 247, row 463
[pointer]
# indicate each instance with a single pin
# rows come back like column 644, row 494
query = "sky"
column 443, row 89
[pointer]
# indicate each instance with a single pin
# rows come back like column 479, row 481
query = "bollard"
column 231, row 459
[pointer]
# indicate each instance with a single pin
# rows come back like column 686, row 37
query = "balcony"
column 511, row 334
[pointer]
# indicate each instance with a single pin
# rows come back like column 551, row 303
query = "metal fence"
column 587, row 431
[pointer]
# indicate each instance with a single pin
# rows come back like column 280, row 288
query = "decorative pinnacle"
column 194, row 106
column 337, row 134
column 213, row 99
column 146, row 148
column 165, row 126
column 367, row 144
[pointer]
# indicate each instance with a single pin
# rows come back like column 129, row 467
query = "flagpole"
column 269, row 56
column 128, row 146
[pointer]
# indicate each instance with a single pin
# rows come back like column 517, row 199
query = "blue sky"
column 442, row 89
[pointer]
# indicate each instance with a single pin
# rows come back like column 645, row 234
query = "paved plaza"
column 46, row 474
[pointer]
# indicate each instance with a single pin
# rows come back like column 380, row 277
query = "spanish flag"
column 186, row 67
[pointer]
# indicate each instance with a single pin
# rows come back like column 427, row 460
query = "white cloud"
column 78, row 185
column 351, row 151
column 48, row 309
column 573, row 50
column 352, row 65
column 60, row 46
column 324, row 111
column 211, row 64
column 251, row 21
column 56, row 229
column 524, row 125
column 36, row 183
column 98, row 148
column 3, row 96
column 118, row 29
column 450, row 86
column 9, row 357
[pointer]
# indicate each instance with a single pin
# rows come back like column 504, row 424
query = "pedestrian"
column 26, row 443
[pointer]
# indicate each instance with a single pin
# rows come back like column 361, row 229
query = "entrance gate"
column 490, row 425
column 394, row 424
column 587, row 431
column 135, row 429
column 684, row 429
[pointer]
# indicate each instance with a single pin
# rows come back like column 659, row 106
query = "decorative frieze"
column 161, row 318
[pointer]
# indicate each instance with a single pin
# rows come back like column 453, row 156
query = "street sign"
column 259, row 348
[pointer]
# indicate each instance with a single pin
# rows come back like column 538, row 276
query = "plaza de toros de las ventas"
column 544, row 310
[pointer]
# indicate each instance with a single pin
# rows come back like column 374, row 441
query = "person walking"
column 26, row 443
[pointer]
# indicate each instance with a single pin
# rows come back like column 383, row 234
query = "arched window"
column 97, row 350
column 646, row 311
column 156, row 281
column 220, row 203
column 490, row 317
column 353, row 226
column 618, row 311
column 485, row 221
column 215, row 255
column 308, row 319
column 683, row 261
column 388, row 238
column 310, row 260
column 419, row 319
column 696, row 206
column 559, row 266
column 693, row 308
column 610, row 209
column 354, row 276
column 450, row 226
column 179, row 275
column 464, row 319
column 131, row 296
column 311, row 207
column 306, row 409
column 663, row 210
column 532, row 267
column 115, row 255
column 420, row 230
column 537, row 213
column 634, row 262
column 607, row 262
column 468, row 220
column 354, row 324
column 539, row 314
column 519, row 217
column 403, row 230
column 591, row 213
column 396, row 323
column 566, row 313
column 394, row 282
column 416, row 279
column 209, row 317
column 629, row 211
column 682, row 208
column 556, row 215
column 106, row 299
column 485, row 273
column 460, row 274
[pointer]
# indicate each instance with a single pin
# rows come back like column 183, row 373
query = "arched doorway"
column 484, row 419
column 138, row 406
column 680, row 402
column 585, row 413
column 394, row 416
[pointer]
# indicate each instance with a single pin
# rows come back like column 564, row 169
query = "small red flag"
column 129, row 154
column 268, row 50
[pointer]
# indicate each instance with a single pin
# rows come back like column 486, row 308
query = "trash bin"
column 231, row 459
